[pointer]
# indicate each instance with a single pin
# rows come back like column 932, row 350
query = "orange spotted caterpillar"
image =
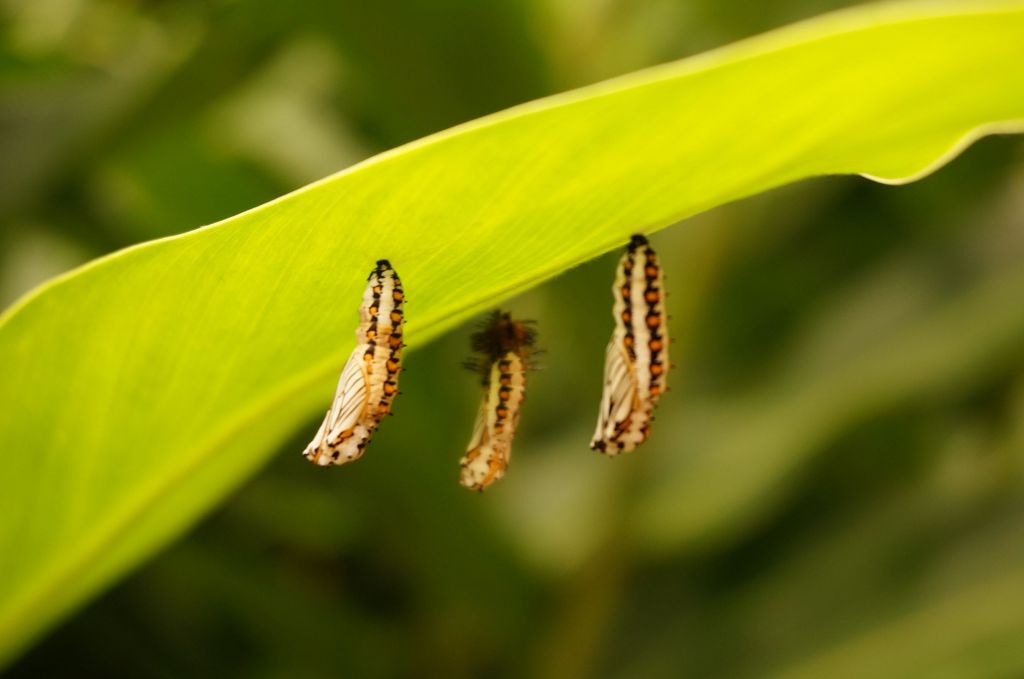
column 369, row 380
column 504, row 347
column 636, row 359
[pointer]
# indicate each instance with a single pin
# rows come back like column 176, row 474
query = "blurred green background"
column 833, row 487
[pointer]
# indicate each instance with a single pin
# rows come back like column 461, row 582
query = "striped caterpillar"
column 369, row 380
column 504, row 347
column 636, row 359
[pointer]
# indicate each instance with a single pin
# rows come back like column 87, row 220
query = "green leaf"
column 140, row 389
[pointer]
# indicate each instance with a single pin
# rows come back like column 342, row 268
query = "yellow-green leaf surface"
column 141, row 388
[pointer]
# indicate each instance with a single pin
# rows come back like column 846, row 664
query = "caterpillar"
column 369, row 380
column 636, row 359
column 504, row 347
